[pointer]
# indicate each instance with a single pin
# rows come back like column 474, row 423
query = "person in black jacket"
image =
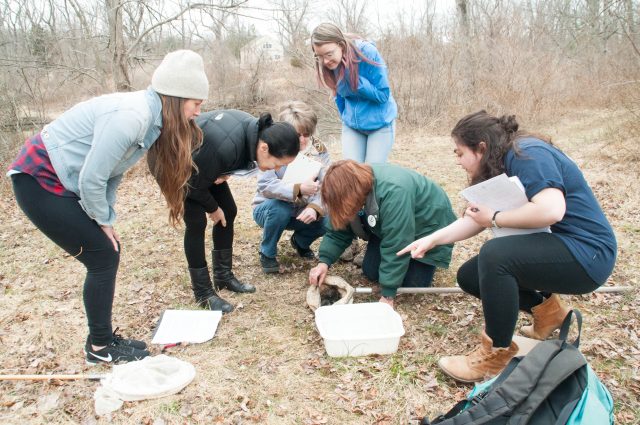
column 233, row 140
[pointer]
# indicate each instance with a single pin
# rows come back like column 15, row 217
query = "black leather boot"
column 204, row 293
column 223, row 276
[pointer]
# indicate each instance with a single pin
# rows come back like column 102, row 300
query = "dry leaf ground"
column 267, row 362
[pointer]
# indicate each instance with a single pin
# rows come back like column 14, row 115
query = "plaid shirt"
column 33, row 159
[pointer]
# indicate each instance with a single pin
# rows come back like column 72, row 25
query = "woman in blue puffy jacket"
column 354, row 71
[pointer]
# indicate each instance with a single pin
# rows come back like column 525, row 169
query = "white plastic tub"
column 359, row 329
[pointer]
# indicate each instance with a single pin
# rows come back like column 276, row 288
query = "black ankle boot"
column 204, row 293
column 222, row 274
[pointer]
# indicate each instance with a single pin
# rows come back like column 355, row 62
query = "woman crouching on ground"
column 522, row 272
column 386, row 205
column 233, row 140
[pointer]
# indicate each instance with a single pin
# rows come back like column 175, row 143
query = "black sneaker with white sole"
column 140, row 345
column 114, row 353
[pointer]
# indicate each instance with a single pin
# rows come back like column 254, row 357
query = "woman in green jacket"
column 389, row 206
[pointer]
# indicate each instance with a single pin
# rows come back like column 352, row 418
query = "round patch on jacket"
column 317, row 143
column 219, row 116
column 371, row 220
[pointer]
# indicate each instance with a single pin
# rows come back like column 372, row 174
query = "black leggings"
column 63, row 221
column 195, row 220
column 509, row 272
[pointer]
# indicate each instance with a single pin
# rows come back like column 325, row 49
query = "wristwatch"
column 493, row 220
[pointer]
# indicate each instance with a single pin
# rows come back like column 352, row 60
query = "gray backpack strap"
column 522, row 387
column 514, row 390
column 563, row 365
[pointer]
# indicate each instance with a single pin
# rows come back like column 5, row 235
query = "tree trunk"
column 467, row 58
column 119, row 57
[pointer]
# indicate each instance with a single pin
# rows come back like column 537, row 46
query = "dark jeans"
column 195, row 220
column 63, row 221
column 419, row 275
column 513, row 273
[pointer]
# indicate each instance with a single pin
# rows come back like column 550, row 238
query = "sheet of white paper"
column 501, row 193
column 302, row 169
column 192, row 326
column 498, row 193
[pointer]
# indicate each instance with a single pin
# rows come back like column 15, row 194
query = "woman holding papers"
column 522, row 272
column 65, row 180
column 289, row 198
column 388, row 206
column 355, row 73
column 233, row 140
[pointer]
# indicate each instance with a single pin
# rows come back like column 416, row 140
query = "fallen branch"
column 457, row 290
column 90, row 377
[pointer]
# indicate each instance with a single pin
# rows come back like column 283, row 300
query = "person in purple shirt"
column 522, row 272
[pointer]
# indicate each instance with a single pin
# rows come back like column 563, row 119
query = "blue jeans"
column 419, row 275
column 368, row 146
column 276, row 216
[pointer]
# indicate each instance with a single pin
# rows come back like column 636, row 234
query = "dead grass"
column 267, row 363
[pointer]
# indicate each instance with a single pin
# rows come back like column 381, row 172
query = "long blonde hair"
column 169, row 158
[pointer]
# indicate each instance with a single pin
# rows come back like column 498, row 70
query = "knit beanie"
column 181, row 74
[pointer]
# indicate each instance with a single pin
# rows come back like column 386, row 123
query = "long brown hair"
column 344, row 190
column 351, row 56
column 500, row 135
column 169, row 158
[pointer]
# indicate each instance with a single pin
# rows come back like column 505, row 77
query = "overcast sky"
column 380, row 13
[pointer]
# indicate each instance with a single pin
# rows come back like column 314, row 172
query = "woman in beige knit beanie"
column 65, row 179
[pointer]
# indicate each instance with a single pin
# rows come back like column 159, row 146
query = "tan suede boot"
column 482, row 363
column 547, row 317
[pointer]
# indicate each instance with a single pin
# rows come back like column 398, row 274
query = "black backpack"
column 552, row 385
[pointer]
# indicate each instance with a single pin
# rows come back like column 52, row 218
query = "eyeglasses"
column 329, row 55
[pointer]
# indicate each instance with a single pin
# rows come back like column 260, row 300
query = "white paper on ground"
column 302, row 169
column 501, row 193
column 192, row 326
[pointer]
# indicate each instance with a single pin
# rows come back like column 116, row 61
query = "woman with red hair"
column 389, row 206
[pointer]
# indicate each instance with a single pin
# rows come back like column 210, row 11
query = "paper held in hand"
column 501, row 193
column 302, row 169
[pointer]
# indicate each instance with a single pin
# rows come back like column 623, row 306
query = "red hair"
column 344, row 190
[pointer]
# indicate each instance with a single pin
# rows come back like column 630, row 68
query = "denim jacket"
column 92, row 144
column 371, row 106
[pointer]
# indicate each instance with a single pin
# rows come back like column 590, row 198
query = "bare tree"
column 119, row 63
column 467, row 57
column 349, row 16
column 291, row 18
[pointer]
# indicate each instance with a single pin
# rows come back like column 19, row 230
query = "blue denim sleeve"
column 114, row 140
column 112, row 186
